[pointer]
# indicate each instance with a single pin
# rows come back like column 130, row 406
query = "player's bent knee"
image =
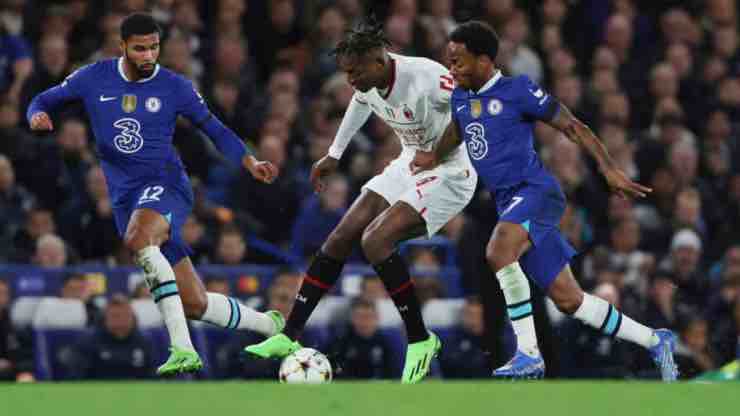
column 195, row 305
column 569, row 304
column 499, row 258
column 135, row 241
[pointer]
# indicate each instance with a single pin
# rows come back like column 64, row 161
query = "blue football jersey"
column 133, row 122
column 497, row 124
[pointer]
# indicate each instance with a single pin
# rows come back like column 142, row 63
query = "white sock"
column 163, row 287
column 230, row 314
column 603, row 316
column 515, row 286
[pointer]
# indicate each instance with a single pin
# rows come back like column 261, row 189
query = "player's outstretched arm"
column 44, row 103
column 580, row 133
column 428, row 160
column 354, row 118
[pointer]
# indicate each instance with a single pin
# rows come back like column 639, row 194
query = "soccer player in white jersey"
column 412, row 96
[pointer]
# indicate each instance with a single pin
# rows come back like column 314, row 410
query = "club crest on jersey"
column 476, row 108
column 128, row 104
column 153, row 104
column 495, row 107
column 408, row 113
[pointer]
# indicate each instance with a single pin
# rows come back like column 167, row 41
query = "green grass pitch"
column 597, row 398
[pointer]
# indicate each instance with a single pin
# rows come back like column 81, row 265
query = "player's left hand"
column 261, row 170
column 423, row 161
column 623, row 186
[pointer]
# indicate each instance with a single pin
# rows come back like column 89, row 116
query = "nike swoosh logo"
column 460, row 108
column 104, row 98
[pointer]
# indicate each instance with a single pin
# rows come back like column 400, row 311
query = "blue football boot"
column 662, row 354
column 522, row 366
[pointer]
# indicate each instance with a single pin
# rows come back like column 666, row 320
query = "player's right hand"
column 321, row 169
column 41, row 122
column 422, row 161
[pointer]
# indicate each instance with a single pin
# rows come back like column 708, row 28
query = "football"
column 305, row 366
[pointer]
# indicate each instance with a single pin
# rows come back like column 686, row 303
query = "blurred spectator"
column 726, row 336
column 273, row 205
column 15, row 204
column 373, row 289
column 194, row 235
column 660, row 310
column 231, row 248
column 362, row 352
column 684, row 262
column 15, row 142
column 625, row 253
column 88, row 224
column 177, row 56
column 693, row 352
column 330, row 26
column 115, row 349
column 38, row 222
column 51, row 251
column 77, row 286
column 276, row 24
column 16, row 361
column 16, row 64
column 59, row 167
column 52, row 68
column 318, row 217
column 524, row 61
column 464, row 354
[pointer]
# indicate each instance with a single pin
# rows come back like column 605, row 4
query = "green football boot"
column 180, row 361
column 277, row 346
column 419, row 357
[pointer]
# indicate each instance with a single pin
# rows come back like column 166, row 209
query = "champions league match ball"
column 306, row 366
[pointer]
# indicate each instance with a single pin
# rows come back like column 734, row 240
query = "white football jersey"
column 416, row 106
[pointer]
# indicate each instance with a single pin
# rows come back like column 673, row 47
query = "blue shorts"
column 538, row 205
column 173, row 201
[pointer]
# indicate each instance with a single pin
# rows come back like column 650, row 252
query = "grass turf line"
column 597, row 398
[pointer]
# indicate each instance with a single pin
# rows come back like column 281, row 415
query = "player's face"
column 363, row 72
column 142, row 52
column 464, row 66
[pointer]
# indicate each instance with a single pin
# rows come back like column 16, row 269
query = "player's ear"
column 122, row 45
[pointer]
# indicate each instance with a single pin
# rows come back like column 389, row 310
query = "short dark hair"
column 139, row 24
column 361, row 39
column 478, row 37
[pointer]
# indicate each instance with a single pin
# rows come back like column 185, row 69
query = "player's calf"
column 229, row 313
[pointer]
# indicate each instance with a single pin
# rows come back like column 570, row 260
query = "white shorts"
column 437, row 195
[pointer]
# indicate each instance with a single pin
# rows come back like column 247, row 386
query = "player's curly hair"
column 361, row 39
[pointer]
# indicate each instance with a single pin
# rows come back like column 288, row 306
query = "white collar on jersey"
column 123, row 74
column 491, row 82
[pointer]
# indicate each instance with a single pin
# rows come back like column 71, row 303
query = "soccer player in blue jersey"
column 133, row 104
column 495, row 116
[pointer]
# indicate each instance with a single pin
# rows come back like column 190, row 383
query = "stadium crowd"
column 658, row 81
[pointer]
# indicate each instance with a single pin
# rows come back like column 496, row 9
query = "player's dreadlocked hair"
column 362, row 38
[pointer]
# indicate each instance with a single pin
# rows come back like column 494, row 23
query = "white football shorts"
column 437, row 195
